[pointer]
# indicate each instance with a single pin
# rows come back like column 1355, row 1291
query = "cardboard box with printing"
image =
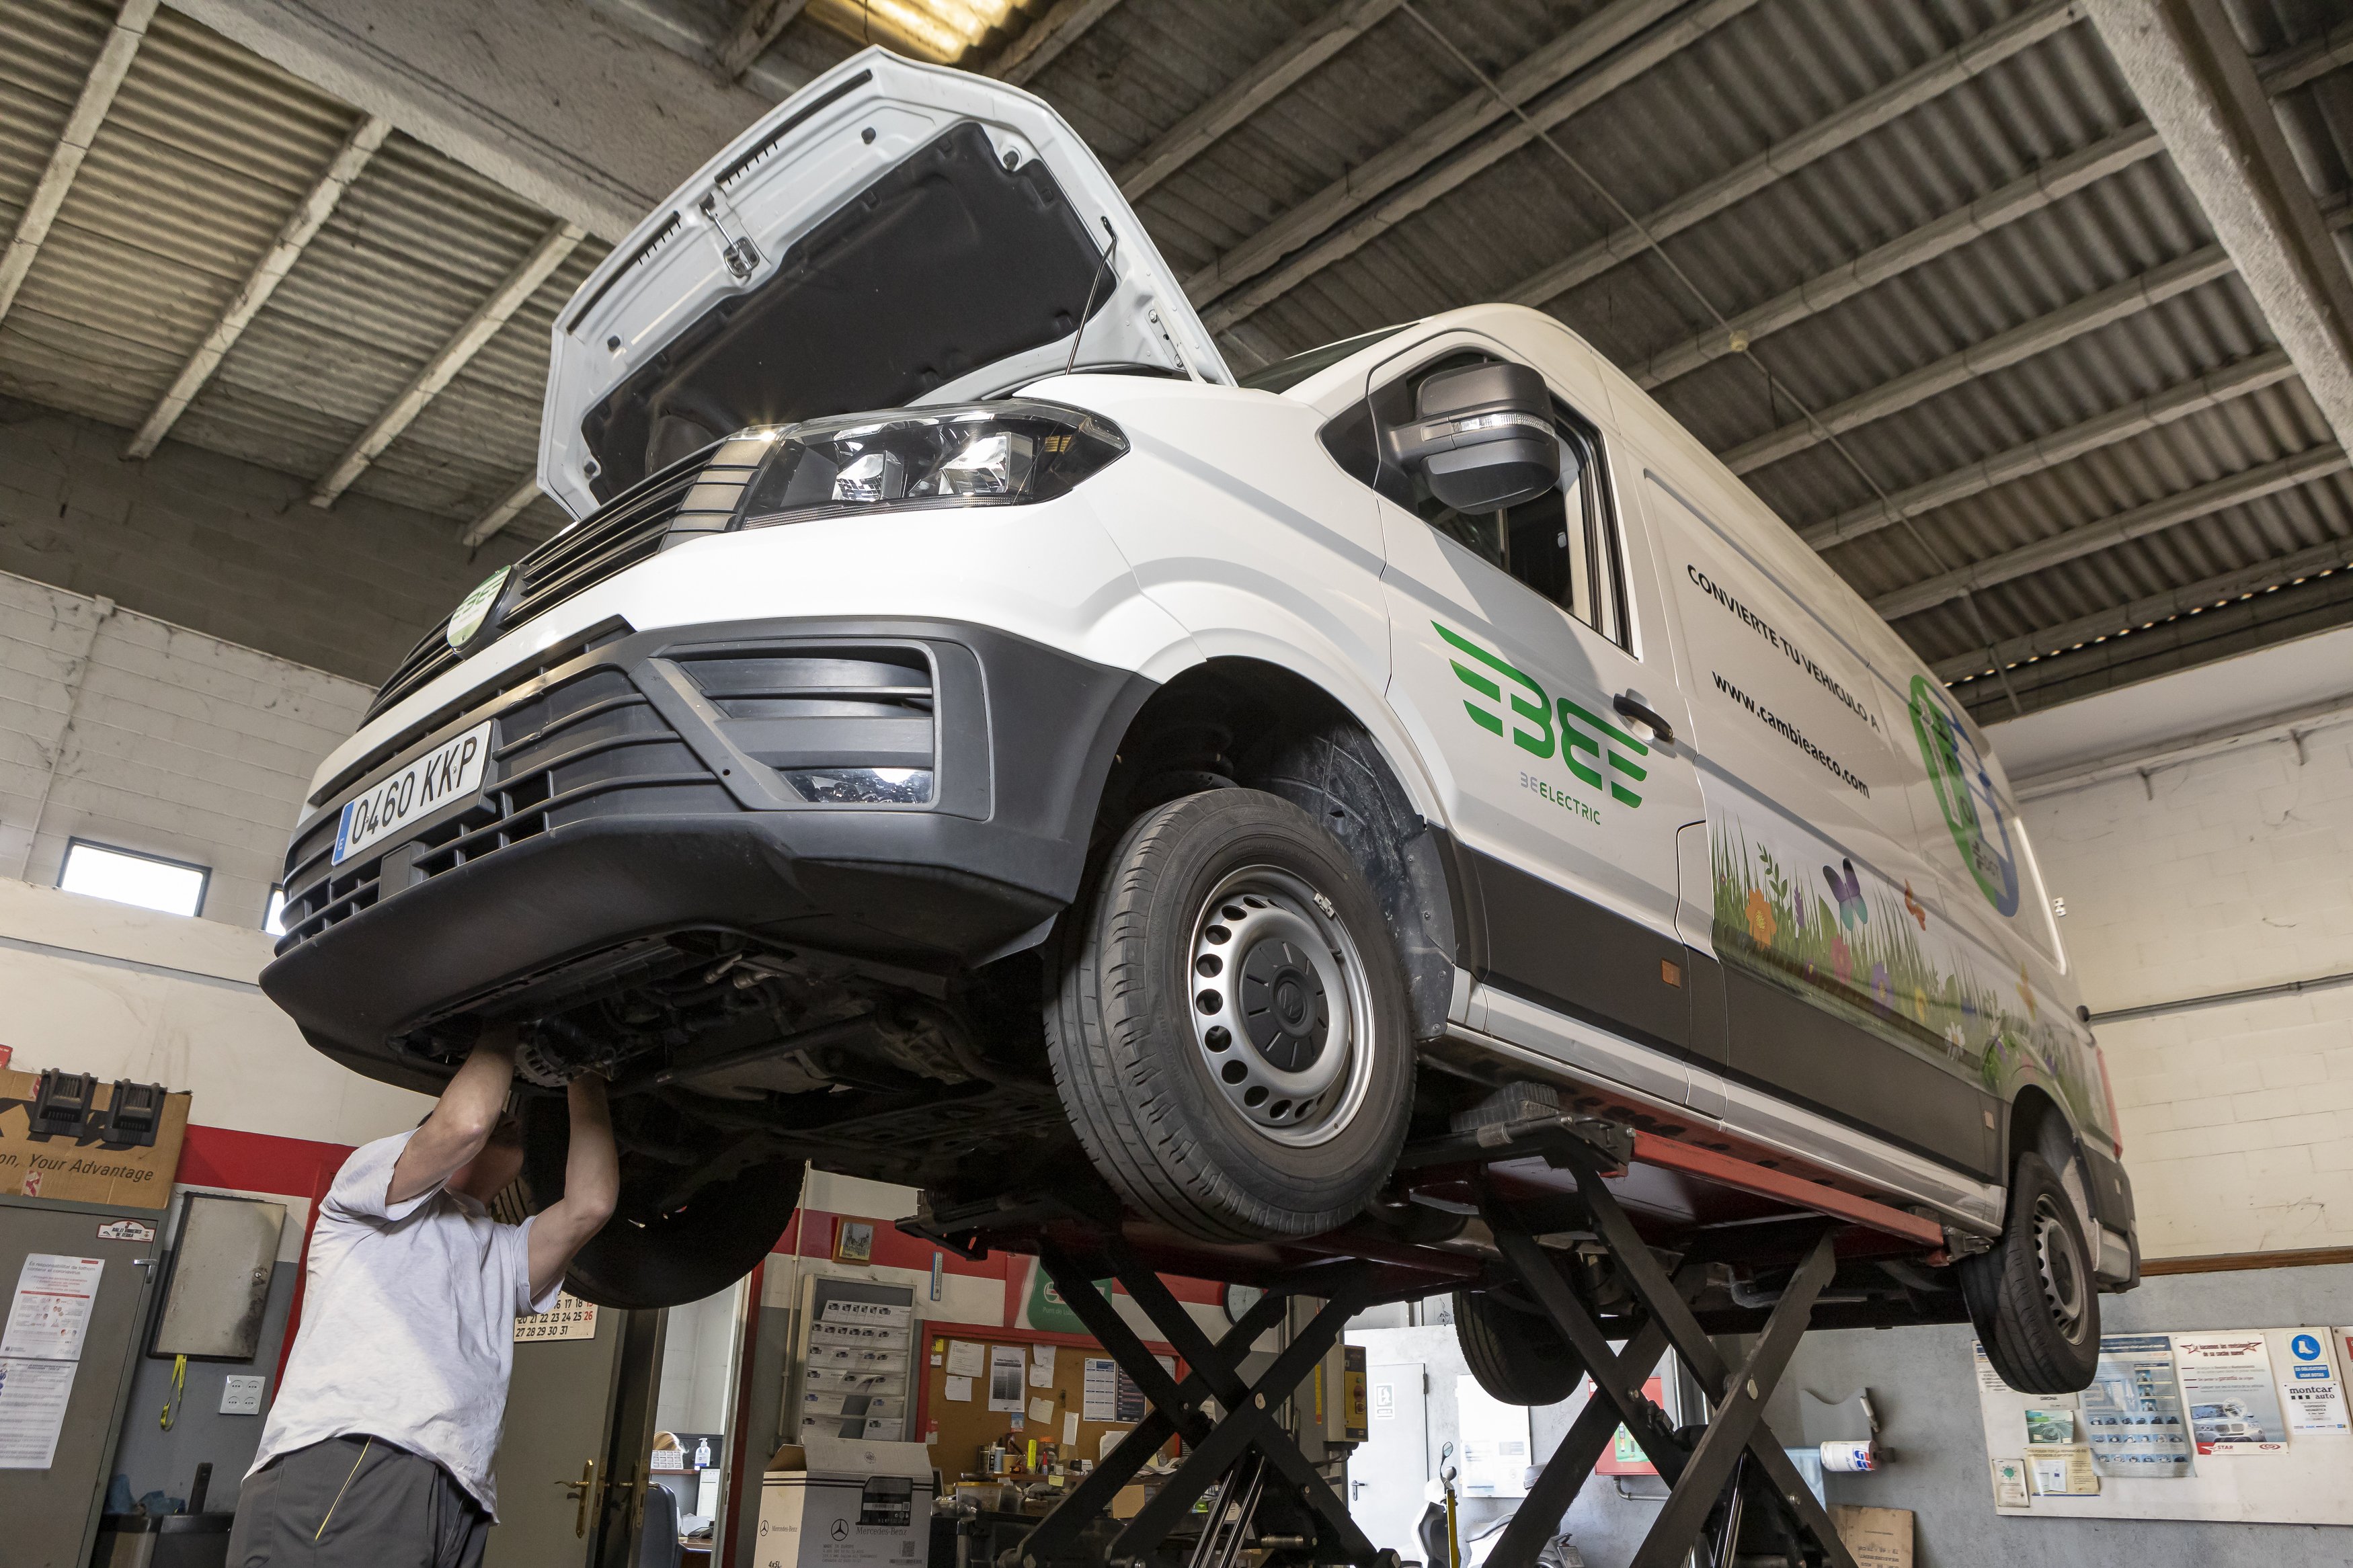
column 88, row 1165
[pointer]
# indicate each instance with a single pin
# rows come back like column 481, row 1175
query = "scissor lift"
column 1530, row 1172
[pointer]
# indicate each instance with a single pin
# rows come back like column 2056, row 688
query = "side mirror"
column 1481, row 437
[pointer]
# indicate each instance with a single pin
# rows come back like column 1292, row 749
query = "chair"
column 658, row 1534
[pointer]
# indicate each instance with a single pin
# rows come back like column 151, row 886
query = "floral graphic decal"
column 1898, row 975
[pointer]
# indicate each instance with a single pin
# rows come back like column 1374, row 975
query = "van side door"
column 1517, row 660
column 1843, row 992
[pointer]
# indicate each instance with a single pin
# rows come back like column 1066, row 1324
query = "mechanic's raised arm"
column 461, row 1123
column 592, row 1183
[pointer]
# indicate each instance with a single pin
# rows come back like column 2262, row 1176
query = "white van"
column 966, row 727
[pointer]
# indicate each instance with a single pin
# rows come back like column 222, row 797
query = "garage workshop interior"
column 1176, row 784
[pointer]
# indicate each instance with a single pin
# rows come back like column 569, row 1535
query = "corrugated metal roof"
column 208, row 149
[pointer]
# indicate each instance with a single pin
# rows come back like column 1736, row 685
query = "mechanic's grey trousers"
column 355, row 1501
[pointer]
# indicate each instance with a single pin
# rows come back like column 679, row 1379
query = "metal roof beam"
column 1264, row 82
column 2028, row 194
column 462, row 346
column 2232, row 381
column 2147, row 614
column 2128, row 298
column 510, row 507
column 1787, row 156
column 293, row 236
column 2291, row 69
column 1571, row 52
column 2184, row 61
column 762, row 23
column 2235, row 489
column 1043, row 41
column 1377, row 217
column 98, row 91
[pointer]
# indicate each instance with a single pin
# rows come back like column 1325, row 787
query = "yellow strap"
column 179, row 1387
column 344, row 1487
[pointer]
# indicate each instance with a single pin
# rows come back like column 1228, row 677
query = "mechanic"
column 379, row 1447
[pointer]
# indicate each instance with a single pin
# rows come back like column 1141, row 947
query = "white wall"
column 2191, row 871
column 133, row 731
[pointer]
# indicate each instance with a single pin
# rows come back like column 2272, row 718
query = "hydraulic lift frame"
column 1735, row 1456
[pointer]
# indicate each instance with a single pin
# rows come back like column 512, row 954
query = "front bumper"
column 643, row 786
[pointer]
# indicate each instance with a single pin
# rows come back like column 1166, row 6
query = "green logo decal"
column 1965, row 793
column 1610, row 752
column 475, row 607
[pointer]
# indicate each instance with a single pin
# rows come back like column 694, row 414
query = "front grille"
column 693, row 496
column 591, row 746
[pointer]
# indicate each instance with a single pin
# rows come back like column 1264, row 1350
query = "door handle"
column 583, row 1492
column 1633, row 707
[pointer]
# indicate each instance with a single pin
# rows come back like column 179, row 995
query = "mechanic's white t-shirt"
column 408, row 1328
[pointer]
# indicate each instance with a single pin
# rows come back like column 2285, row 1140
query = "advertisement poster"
column 2311, row 1388
column 2133, row 1415
column 2226, row 1381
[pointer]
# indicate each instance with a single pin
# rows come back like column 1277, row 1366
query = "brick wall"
column 2221, row 874
column 129, row 730
column 226, row 547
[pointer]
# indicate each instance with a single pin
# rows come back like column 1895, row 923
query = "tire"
column 2033, row 1297
column 647, row 1256
column 1228, row 1023
column 1519, row 1358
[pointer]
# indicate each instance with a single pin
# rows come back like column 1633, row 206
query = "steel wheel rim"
column 2059, row 1262
column 1282, row 1010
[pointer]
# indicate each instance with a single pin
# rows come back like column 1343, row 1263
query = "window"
column 126, row 876
column 273, row 919
column 1562, row 544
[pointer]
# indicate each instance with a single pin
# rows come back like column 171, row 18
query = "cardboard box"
column 1877, row 1537
column 85, row 1170
column 857, row 1505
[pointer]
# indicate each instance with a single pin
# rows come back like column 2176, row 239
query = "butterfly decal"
column 1852, row 910
column 1914, row 908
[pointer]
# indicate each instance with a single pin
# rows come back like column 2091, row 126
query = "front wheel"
column 2033, row 1297
column 1228, row 1023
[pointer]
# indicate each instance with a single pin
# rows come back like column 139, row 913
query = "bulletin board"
column 965, row 1427
column 2308, row 1478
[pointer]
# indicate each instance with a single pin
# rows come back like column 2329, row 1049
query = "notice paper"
column 33, row 1396
column 2133, row 1417
column 2062, row 1469
column 1101, row 1390
column 1070, row 1430
column 2311, row 1389
column 2009, row 1484
column 1042, row 1412
column 967, row 1358
column 1041, row 1366
column 1006, row 1364
column 2226, row 1381
column 51, row 1309
column 959, row 1389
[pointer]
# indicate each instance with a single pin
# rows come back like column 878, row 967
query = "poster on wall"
column 2226, row 1381
column 2133, row 1415
column 2311, row 1389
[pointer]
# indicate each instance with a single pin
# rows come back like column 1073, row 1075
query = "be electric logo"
column 1608, row 760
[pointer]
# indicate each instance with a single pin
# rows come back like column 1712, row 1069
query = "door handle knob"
column 583, row 1492
column 1632, row 707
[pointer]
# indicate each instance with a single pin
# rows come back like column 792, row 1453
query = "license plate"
column 450, row 772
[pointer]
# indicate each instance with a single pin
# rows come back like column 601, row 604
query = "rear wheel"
column 2033, row 1297
column 1518, row 1357
column 664, row 1247
column 1228, row 1023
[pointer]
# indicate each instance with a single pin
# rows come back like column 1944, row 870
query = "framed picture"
column 853, row 1241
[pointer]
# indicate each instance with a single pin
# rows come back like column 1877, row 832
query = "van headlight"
column 985, row 453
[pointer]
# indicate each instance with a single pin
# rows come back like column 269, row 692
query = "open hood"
column 893, row 234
